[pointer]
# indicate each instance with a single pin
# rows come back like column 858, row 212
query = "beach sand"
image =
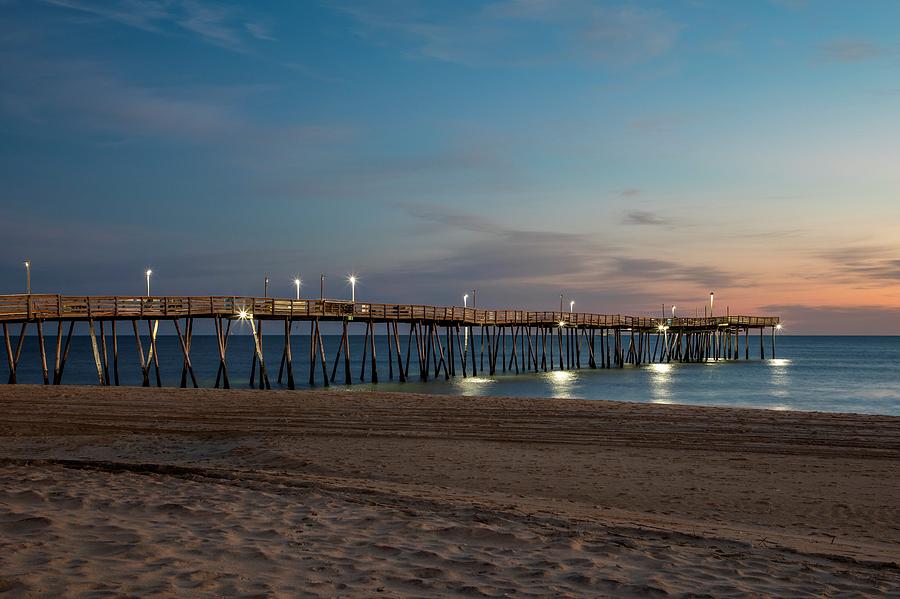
column 205, row 493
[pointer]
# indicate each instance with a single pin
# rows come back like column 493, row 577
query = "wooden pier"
column 448, row 341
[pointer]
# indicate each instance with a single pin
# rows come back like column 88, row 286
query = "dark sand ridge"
column 343, row 493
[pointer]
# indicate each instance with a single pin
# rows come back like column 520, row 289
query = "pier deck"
column 622, row 339
column 32, row 308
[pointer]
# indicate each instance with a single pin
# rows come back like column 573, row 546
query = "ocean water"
column 833, row 374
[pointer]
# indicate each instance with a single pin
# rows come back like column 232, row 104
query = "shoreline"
column 747, row 500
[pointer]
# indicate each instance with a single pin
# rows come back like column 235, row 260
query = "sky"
column 628, row 155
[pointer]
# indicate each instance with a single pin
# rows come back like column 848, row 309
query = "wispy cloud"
column 849, row 51
column 871, row 264
column 536, row 264
column 837, row 320
column 648, row 269
column 82, row 94
column 221, row 25
column 504, row 33
column 645, row 218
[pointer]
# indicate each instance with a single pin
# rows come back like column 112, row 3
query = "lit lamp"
column 465, row 328
column 571, row 306
column 297, row 283
column 148, row 273
column 352, row 279
column 28, row 276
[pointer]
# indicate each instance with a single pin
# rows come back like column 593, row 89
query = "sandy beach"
column 209, row 493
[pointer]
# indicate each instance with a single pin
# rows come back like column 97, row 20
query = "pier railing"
column 623, row 339
column 25, row 308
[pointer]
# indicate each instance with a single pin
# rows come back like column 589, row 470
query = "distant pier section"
column 438, row 342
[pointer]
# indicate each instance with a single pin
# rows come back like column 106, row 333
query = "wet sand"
column 207, row 493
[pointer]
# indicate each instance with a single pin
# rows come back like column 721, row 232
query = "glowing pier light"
column 147, row 274
column 297, row 283
column 28, row 276
column 352, row 279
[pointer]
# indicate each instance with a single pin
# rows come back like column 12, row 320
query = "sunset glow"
column 631, row 154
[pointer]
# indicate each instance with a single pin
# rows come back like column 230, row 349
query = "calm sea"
column 834, row 374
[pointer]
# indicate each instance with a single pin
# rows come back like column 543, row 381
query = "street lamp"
column 673, row 311
column 322, row 286
column 465, row 328
column 473, row 299
column 148, row 273
column 571, row 306
column 560, row 303
column 297, row 283
column 266, row 287
column 712, row 297
column 352, row 279
column 28, row 276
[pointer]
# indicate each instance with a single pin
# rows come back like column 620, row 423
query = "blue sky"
column 627, row 154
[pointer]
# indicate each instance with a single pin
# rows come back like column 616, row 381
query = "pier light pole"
column 465, row 328
column 474, row 306
column 322, row 286
column 352, row 279
column 712, row 298
column 266, row 287
column 28, row 276
column 148, row 273
column 560, row 303
column 297, row 285
column 673, row 311
column 571, row 306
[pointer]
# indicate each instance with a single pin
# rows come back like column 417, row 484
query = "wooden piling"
column 372, row 348
column 44, row 373
column 185, row 350
column 96, row 352
column 57, row 377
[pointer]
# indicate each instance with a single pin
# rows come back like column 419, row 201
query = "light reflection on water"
column 561, row 382
column 660, row 382
column 835, row 374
